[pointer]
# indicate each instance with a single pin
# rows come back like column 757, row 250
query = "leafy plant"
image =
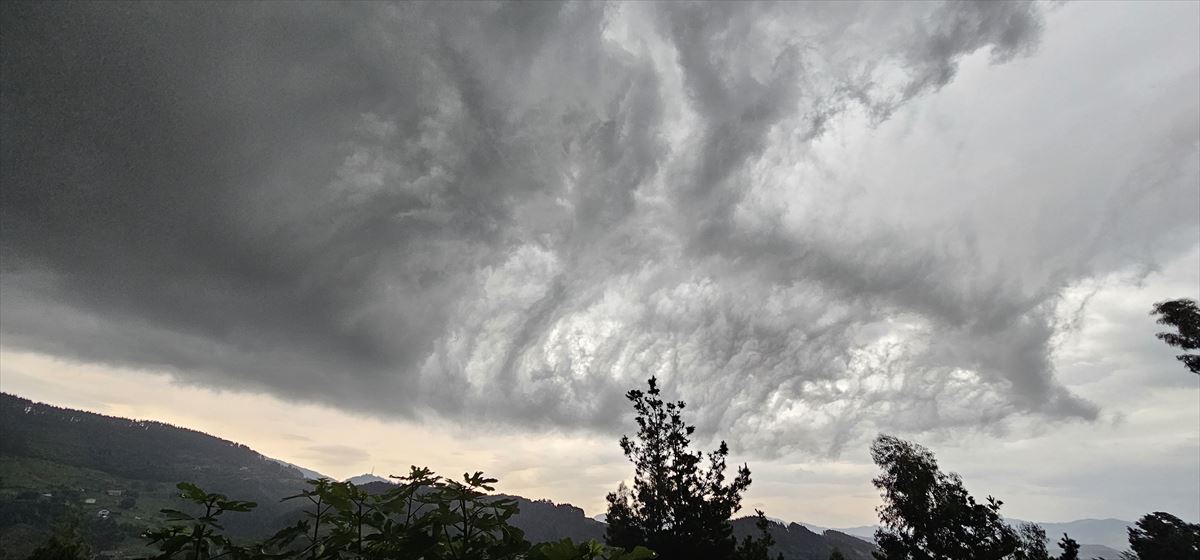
column 422, row 517
column 197, row 538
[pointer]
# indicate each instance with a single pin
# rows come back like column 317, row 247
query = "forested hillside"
column 58, row 463
column 111, row 477
column 796, row 541
column 55, row 460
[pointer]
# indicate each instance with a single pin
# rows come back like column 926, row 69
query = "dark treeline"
column 679, row 506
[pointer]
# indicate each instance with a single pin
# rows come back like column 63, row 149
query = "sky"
column 359, row 237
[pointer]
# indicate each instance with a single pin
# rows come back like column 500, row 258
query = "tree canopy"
column 1070, row 548
column 1184, row 315
column 928, row 514
column 1162, row 536
column 680, row 502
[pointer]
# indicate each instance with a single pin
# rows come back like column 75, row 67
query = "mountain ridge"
column 89, row 449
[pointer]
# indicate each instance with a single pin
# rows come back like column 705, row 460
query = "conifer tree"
column 680, row 502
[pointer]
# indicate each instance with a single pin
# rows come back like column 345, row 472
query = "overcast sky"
column 371, row 235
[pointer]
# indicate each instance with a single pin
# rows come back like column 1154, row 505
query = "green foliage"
column 65, row 543
column 422, row 517
column 677, row 506
column 592, row 550
column 78, row 449
column 836, row 555
column 1162, row 536
column 197, row 537
column 928, row 514
column 1184, row 315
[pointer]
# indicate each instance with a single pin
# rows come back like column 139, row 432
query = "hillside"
column 541, row 520
column 117, row 473
column 796, row 541
column 54, row 461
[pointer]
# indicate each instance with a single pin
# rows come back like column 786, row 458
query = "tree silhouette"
column 1162, row 536
column 677, row 506
column 1184, row 315
column 928, row 515
column 1033, row 543
column 758, row 548
column 1070, row 548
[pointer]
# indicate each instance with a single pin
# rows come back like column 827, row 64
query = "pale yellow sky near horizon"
column 1125, row 456
column 1137, row 434
column 1054, row 177
column 576, row 468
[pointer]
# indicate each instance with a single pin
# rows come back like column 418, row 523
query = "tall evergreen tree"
column 928, row 514
column 680, row 502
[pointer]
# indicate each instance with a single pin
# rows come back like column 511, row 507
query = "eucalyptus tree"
column 929, row 515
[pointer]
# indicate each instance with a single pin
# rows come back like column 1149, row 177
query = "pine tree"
column 680, row 502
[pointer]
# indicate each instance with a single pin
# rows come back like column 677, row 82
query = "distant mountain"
column 862, row 531
column 366, row 478
column 308, row 474
column 56, row 459
column 53, row 459
column 545, row 521
column 797, row 542
column 1098, row 538
column 1110, row 533
column 1093, row 551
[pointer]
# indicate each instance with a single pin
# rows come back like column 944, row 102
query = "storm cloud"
column 515, row 212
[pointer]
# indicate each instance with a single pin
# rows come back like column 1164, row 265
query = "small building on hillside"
column 89, row 500
column 114, row 492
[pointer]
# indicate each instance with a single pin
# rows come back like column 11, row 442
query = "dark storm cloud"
column 505, row 211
